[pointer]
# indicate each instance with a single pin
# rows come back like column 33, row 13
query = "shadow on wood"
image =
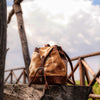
column 67, row 93
column 36, row 92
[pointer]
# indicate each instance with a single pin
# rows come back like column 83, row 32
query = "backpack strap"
column 70, row 65
column 64, row 55
column 43, row 60
column 60, row 50
column 34, row 78
column 42, row 68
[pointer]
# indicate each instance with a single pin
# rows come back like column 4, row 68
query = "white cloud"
column 74, row 24
column 80, row 35
column 87, row 42
column 97, row 39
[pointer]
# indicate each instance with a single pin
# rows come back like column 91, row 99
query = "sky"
column 73, row 24
column 96, row 2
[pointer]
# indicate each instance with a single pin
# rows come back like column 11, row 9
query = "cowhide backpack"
column 49, row 66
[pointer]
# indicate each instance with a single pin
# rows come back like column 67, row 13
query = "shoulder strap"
column 43, row 60
column 42, row 68
column 65, row 55
column 70, row 65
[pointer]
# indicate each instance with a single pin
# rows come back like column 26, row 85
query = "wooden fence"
column 84, row 68
column 13, row 76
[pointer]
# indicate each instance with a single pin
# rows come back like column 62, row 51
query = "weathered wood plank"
column 56, row 92
column 15, row 69
column 85, row 56
column 23, row 92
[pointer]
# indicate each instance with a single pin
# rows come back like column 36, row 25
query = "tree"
column 3, row 26
column 18, row 11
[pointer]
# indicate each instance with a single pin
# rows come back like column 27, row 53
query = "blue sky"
column 9, row 2
column 96, row 2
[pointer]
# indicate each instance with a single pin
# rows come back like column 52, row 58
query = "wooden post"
column 11, row 81
column 82, row 73
column 90, row 70
column 24, row 77
column 18, row 11
column 3, row 36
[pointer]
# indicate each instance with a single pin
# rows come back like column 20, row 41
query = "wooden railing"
column 84, row 68
column 13, row 76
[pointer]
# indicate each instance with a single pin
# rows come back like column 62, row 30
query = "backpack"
column 49, row 66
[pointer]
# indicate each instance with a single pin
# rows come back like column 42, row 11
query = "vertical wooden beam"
column 18, row 11
column 3, row 36
column 82, row 73
column 24, row 77
column 11, row 81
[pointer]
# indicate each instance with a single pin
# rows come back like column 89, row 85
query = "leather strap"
column 34, row 78
column 43, row 60
column 62, row 52
column 70, row 65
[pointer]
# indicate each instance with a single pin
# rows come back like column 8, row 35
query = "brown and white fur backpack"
column 49, row 66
